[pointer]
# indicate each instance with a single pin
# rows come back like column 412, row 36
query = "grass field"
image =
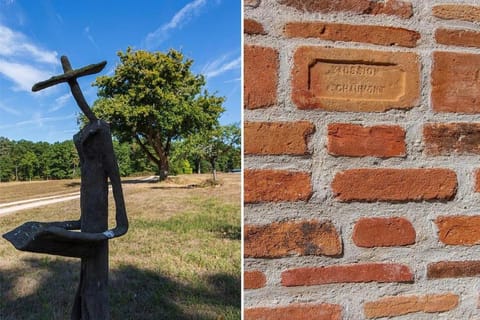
column 179, row 260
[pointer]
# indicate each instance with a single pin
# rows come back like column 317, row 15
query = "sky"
column 35, row 34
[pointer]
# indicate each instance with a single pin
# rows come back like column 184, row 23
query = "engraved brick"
column 354, row 80
column 453, row 269
column 251, row 26
column 457, row 12
column 366, row 272
column 383, row 232
column 352, row 140
column 458, row 230
column 451, row 138
column 387, row 36
column 455, row 82
column 400, row 305
column 296, row 312
column 396, row 185
column 260, row 77
column 402, row 9
column 254, row 279
column 283, row 239
column 466, row 38
column 277, row 137
column 276, row 186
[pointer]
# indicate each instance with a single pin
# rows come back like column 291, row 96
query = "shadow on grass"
column 134, row 293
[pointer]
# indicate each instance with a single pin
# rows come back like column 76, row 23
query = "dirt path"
column 11, row 207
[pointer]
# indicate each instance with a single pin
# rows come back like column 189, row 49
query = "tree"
column 154, row 99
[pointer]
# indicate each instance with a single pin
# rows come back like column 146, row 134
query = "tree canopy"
column 153, row 98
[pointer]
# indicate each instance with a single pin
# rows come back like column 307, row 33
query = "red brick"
column 400, row 305
column 296, row 312
column 368, row 272
column 477, row 180
column 386, row 36
column 352, row 140
column 466, row 38
column 251, row 3
column 459, row 230
column 276, row 186
column 336, row 79
column 260, row 77
column 453, row 269
column 254, row 279
column 397, row 185
column 457, row 12
column 277, row 137
column 251, row 26
column 455, row 82
column 383, row 232
column 398, row 8
column 283, row 239
column 451, row 138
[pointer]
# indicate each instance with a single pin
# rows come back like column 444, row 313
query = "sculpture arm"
column 67, row 225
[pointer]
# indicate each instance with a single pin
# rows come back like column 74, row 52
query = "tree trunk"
column 163, row 168
column 214, row 170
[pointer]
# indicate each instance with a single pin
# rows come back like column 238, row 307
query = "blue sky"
column 34, row 34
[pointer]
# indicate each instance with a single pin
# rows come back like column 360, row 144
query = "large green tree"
column 153, row 99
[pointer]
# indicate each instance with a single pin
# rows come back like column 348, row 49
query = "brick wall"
column 362, row 158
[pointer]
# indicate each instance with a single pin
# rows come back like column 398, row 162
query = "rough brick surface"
column 352, row 140
column 400, row 305
column 251, row 26
column 276, row 186
column 459, row 230
column 296, row 312
column 455, row 82
column 457, row 12
column 260, row 77
column 466, row 38
column 451, row 138
column 383, row 232
column 292, row 238
column 387, row 36
column 453, row 269
column 371, row 185
column 477, row 180
column 251, row 3
column 379, row 272
column 277, row 137
column 398, row 8
column 354, row 80
column 254, row 279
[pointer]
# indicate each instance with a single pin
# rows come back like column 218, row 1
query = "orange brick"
column 260, row 77
column 453, row 269
column 352, row 140
column 336, row 79
column 466, row 38
column 398, row 8
column 387, row 36
column 458, row 230
column 251, row 3
column 371, row 185
column 383, row 232
column 254, row 279
column 276, row 186
column 451, row 138
column 251, row 26
column 367, row 272
column 283, row 239
column 457, row 12
column 400, row 305
column 277, row 137
column 477, row 180
column 296, row 312
column 455, row 85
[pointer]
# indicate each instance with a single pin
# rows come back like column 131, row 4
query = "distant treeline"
column 25, row 160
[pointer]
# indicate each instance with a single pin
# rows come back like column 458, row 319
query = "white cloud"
column 155, row 38
column 221, row 65
column 38, row 120
column 86, row 32
column 15, row 44
column 9, row 110
column 23, row 62
column 23, row 75
column 60, row 102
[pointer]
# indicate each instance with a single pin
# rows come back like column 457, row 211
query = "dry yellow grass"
column 179, row 260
